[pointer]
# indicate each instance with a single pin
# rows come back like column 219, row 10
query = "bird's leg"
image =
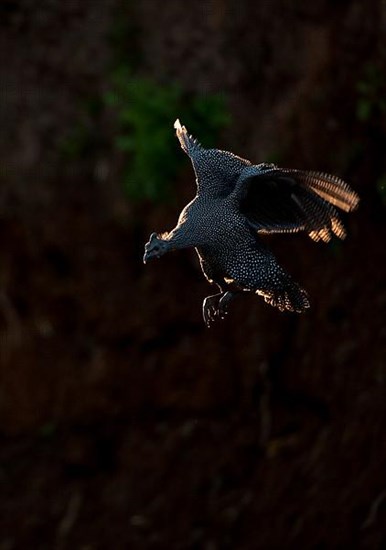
column 216, row 306
column 224, row 302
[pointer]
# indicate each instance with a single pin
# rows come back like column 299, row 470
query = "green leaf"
column 364, row 109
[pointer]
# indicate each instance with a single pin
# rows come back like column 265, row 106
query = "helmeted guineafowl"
column 235, row 202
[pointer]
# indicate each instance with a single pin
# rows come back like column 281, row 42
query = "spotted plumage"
column 235, row 202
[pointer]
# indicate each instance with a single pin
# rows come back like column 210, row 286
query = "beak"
column 147, row 253
column 147, row 256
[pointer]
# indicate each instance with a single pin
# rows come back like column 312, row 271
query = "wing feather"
column 329, row 187
column 276, row 200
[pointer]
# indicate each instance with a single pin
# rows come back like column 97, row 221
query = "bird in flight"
column 235, row 203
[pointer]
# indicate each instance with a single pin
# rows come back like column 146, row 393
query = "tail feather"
column 290, row 298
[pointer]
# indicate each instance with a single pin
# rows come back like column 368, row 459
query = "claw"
column 216, row 307
column 224, row 303
column 210, row 309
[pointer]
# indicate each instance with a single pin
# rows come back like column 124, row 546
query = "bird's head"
column 155, row 248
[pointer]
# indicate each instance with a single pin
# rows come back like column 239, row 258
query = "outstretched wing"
column 188, row 143
column 216, row 171
column 280, row 200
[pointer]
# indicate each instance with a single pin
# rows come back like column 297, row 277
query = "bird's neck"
column 186, row 234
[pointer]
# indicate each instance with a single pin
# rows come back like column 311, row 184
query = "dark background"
column 124, row 422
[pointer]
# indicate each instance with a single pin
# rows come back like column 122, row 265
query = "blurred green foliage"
column 371, row 91
column 145, row 112
column 381, row 189
column 47, row 430
column 82, row 140
column 77, row 143
column 371, row 110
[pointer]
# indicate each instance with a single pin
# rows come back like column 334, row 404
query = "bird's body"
column 235, row 201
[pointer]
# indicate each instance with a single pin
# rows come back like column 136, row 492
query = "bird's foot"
column 216, row 307
column 210, row 308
